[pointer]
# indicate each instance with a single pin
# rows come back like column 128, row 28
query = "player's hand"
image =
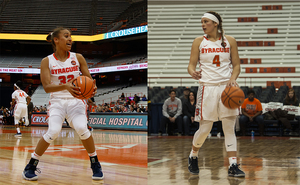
column 192, row 119
column 197, row 75
column 95, row 89
column 250, row 118
column 232, row 83
column 75, row 91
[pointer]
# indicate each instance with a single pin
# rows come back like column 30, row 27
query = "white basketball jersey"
column 63, row 72
column 20, row 96
column 215, row 61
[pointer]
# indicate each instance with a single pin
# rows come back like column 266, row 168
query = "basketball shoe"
column 29, row 171
column 235, row 171
column 18, row 134
column 193, row 165
column 96, row 167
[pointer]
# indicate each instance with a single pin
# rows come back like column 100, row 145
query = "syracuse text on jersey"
column 215, row 50
column 64, row 70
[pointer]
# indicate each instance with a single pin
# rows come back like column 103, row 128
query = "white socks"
column 18, row 130
column 93, row 154
column 232, row 160
column 194, row 153
column 35, row 156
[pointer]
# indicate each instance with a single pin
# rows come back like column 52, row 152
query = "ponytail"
column 220, row 27
column 50, row 37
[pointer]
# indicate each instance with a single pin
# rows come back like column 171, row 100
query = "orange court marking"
column 124, row 154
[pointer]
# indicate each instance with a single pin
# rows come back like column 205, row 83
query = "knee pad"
column 230, row 138
column 202, row 133
column 83, row 132
column 50, row 136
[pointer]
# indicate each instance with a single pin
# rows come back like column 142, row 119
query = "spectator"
column 30, row 90
column 29, row 109
column 251, row 112
column 291, row 98
column 131, row 109
column 188, row 109
column 172, row 110
column 122, row 97
column 185, row 96
column 144, row 98
column 136, row 99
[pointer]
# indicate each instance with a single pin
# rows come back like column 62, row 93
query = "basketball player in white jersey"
column 216, row 54
column 19, row 101
column 58, row 71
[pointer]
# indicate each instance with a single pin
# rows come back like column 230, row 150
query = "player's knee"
column 83, row 133
column 50, row 136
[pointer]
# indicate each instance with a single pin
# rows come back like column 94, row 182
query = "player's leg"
column 77, row 119
column 228, row 124
column 55, row 121
column 17, row 117
column 205, row 115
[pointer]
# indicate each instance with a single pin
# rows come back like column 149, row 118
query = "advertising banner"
column 118, row 121
column 41, row 119
column 125, row 121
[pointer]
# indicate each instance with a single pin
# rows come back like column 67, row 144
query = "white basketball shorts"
column 67, row 108
column 20, row 111
column 209, row 105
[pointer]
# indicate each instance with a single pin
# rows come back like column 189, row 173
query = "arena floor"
column 265, row 160
column 122, row 154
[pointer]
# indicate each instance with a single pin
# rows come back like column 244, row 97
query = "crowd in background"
column 122, row 105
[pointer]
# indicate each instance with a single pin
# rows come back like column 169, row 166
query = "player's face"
column 291, row 94
column 208, row 25
column 65, row 40
column 172, row 95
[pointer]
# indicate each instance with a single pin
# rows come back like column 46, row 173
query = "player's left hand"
column 232, row 83
column 95, row 88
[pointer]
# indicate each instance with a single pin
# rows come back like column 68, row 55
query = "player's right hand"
column 75, row 91
column 197, row 75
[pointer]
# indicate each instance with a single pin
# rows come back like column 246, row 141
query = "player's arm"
column 28, row 99
column 235, row 60
column 194, row 58
column 84, row 69
column 90, row 102
column 46, row 81
column 13, row 102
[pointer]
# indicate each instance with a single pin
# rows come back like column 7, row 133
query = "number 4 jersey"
column 215, row 61
column 63, row 72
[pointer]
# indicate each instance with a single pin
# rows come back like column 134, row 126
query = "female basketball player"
column 216, row 53
column 58, row 71
column 19, row 101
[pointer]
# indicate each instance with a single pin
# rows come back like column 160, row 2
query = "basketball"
column 86, row 86
column 232, row 97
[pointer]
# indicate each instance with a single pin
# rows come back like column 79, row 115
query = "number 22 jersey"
column 215, row 61
column 63, row 72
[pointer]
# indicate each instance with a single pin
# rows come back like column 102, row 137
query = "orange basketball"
column 86, row 86
column 232, row 97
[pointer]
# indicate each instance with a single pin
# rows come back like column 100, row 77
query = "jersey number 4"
column 22, row 94
column 63, row 79
column 216, row 60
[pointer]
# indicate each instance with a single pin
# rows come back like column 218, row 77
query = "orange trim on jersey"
column 219, row 38
column 57, row 59
column 202, row 103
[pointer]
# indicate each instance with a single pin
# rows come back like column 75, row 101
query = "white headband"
column 16, row 86
column 211, row 17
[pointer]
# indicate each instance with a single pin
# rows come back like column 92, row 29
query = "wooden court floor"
column 122, row 154
column 265, row 160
